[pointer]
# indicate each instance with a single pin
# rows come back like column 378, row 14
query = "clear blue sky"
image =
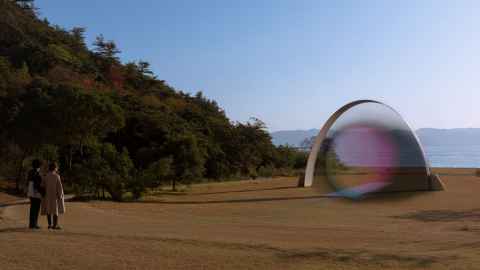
column 292, row 63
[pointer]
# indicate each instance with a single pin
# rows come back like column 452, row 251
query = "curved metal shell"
column 312, row 158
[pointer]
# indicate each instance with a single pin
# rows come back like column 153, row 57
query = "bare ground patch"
column 442, row 215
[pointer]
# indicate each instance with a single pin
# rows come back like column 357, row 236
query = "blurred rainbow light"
column 366, row 147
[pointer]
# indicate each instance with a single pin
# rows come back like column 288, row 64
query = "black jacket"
column 34, row 176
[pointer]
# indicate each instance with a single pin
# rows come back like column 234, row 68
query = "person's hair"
column 36, row 163
column 52, row 167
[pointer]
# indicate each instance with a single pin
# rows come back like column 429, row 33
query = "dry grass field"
column 263, row 224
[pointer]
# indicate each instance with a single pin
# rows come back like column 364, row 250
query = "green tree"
column 30, row 126
column 251, row 147
column 78, row 34
column 157, row 173
column 4, row 76
column 106, row 49
column 108, row 169
column 188, row 159
column 26, row 4
column 83, row 118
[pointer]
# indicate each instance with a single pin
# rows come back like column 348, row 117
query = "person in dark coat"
column 35, row 193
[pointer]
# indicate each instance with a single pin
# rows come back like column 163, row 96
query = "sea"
column 453, row 156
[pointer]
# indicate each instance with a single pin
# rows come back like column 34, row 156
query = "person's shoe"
column 49, row 227
column 36, row 227
column 56, row 228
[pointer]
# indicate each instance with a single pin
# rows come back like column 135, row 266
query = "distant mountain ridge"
column 451, row 137
column 427, row 136
column 292, row 137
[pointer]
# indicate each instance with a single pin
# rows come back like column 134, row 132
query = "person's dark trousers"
column 55, row 221
column 34, row 211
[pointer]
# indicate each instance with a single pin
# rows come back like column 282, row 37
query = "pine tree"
column 106, row 49
column 27, row 5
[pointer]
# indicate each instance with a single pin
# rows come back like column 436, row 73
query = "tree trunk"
column 70, row 157
column 117, row 194
column 20, row 171
column 81, row 149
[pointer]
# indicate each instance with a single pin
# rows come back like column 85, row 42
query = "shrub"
column 265, row 171
column 108, row 169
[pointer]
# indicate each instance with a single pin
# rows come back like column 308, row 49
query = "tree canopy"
column 114, row 126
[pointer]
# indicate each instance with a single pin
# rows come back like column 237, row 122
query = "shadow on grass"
column 236, row 200
column 365, row 257
column 442, row 215
column 86, row 198
column 244, row 190
column 9, row 190
column 169, row 193
column 372, row 198
column 377, row 197
column 13, row 203
column 15, row 229
column 394, row 196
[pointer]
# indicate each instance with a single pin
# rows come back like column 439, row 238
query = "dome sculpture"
column 366, row 147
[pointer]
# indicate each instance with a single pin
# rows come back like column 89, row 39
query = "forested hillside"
column 113, row 126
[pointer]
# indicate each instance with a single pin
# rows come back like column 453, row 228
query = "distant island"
column 427, row 136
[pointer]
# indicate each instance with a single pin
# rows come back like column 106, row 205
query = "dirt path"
column 256, row 225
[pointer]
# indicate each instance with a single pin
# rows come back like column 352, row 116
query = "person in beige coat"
column 53, row 202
